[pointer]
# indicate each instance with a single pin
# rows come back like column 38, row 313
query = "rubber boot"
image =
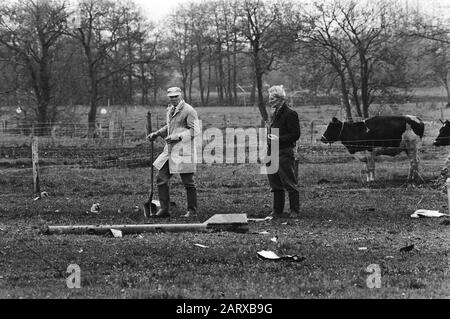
column 164, row 200
column 278, row 204
column 294, row 203
column 191, row 193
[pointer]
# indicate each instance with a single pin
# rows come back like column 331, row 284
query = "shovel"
column 220, row 222
column 150, row 206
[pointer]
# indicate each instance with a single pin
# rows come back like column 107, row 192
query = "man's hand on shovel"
column 171, row 139
column 152, row 136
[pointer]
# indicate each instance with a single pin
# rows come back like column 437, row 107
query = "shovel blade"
column 228, row 222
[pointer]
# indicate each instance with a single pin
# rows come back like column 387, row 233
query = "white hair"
column 277, row 91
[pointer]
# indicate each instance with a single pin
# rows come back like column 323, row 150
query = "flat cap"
column 174, row 91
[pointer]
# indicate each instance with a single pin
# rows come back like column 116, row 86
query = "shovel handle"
column 149, row 130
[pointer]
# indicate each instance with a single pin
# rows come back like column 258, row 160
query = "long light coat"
column 182, row 155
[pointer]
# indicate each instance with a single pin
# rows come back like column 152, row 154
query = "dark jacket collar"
column 278, row 113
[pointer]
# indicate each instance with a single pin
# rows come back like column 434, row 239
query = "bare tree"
column 262, row 25
column 29, row 29
column 104, row 27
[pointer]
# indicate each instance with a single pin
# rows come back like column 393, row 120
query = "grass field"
column 340, row 214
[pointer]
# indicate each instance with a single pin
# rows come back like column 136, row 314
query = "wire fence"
column 122, row 143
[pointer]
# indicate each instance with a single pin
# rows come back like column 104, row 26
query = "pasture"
column 345, row 224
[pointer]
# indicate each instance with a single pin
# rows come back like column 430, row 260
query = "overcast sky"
column 156, row 9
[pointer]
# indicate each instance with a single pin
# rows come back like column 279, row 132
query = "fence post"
column 442, row 114
column 100, row 130
column 35, row 161
column 225, row 121
column 122, row 131
column 111, row 129
column 312, row 130
column 53, row 135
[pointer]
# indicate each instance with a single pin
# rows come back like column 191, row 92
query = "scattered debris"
column 407, row 248
column 200, row 245
column 446, row 222
column 262, row 232
column 116, row 233
column 323, row 181
column 2, row 228
column 95, row 208
column 44, row 194
column 389, row 257
column 362, row 248
column 427, row 213
column 285, row 223
column 270, row 255
column 57, row 211
column 80, row 251
column 369, row 209
column 274, row 239
column 140, row 236
column 136, row 209
column 36, row 198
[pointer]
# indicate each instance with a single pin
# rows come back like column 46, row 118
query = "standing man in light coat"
column 179, row 154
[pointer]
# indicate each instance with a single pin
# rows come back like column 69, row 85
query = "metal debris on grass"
column 407, row 248
column 116, row 233
column 200, row 245
column 362, row 248
column 95, row 208
column 427, row 213
column 270, row 255
column 274, row 239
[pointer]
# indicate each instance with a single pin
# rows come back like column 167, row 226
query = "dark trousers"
column 285, row 180
column 162, row 180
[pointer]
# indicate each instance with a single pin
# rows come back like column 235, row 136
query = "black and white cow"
column 443, row 139
column 379, row 135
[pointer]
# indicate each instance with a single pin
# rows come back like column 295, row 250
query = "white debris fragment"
column 362, row 248
column 267, row 254
column 116, row 233
column 95, row 208
column 200, row 245
column 274, row 239
column 427, row 213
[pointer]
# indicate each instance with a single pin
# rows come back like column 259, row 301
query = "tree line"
column 54, row 53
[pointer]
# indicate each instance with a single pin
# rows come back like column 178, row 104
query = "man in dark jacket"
column 286, row 121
